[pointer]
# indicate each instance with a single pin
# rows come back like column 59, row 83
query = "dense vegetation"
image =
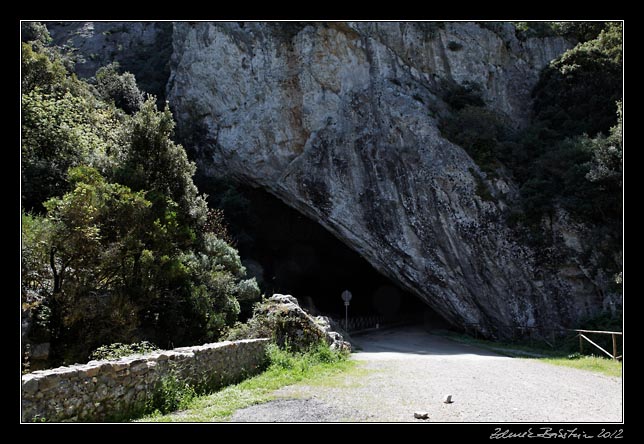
column 117, row 243
column 570, row 155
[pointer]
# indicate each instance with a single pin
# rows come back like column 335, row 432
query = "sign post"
column 346, row 297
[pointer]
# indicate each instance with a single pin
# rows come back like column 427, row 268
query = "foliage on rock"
column 281, row 319
column 118, row 350
column 119, row 88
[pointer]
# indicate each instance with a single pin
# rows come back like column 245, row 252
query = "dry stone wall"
column 105, row 390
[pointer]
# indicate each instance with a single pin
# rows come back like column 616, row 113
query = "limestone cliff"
column 339, row 120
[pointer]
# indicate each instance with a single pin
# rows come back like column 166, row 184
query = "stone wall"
column 106, row 390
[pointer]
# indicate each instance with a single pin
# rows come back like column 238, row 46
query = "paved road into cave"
column 408, row 369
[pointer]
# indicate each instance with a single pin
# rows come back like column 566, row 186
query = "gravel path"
column 410, row 370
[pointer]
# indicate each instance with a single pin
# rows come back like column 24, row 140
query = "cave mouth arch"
column 289, row 253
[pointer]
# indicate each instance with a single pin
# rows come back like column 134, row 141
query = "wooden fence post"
column 614, row 347
column 581, row 344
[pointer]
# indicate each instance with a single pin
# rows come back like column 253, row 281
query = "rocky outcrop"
column 281, row 318
column 340, row 121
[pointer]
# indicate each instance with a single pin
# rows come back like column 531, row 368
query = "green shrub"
column 479, row 131
column 317, row 353
column 35, row 32
column 119, row 88
column 577, row 92
column 580, row 31
column 605, row 321
column 118, row 350
column 459, row 96
column 322, row 353
column 171, row 394
column 280, row 357
column 526, row 30
column 288, row 328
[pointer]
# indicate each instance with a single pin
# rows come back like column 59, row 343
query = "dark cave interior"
column 289, row 253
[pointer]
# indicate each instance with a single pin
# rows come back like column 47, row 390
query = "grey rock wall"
column 104, row 390
column 340, row 121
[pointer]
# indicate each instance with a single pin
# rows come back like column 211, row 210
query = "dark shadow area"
column 414, row 340
column 289, row 253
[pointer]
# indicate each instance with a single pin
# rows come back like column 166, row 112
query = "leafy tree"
column 39, row 70
column 607, row 155
column 119, row 88
column 479, row 131
column 563, row 156
column 577, row 92
column 127, row 250
column 525, row 30
column 60, row 131
column 35, row 270
column 580, row 31
column 35, row 32
column 154, row 162
column 93, row 249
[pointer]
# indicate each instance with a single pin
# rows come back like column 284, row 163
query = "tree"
column 93, row 251
column 35, row 32
column 36, row 273
column 38, row 70
column 580, row 31
column 576, row 92
column 126, row 250
column 606, row 165
column 479, row 131
column 154, row 162
column 119, row 88
column 60, row 131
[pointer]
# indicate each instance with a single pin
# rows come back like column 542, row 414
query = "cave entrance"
column 289, row 253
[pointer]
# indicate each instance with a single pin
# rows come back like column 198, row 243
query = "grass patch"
column 597, row 364
column 320, row 365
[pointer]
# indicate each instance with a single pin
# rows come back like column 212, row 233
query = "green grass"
column 320, row 366
column 596, row 364
column 593, row 363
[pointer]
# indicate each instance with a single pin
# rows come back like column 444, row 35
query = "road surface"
column 408, row 370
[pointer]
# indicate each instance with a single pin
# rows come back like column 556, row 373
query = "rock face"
column 340, row 122
column 280, row 317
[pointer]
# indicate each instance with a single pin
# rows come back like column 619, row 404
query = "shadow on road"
column 414, row 340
